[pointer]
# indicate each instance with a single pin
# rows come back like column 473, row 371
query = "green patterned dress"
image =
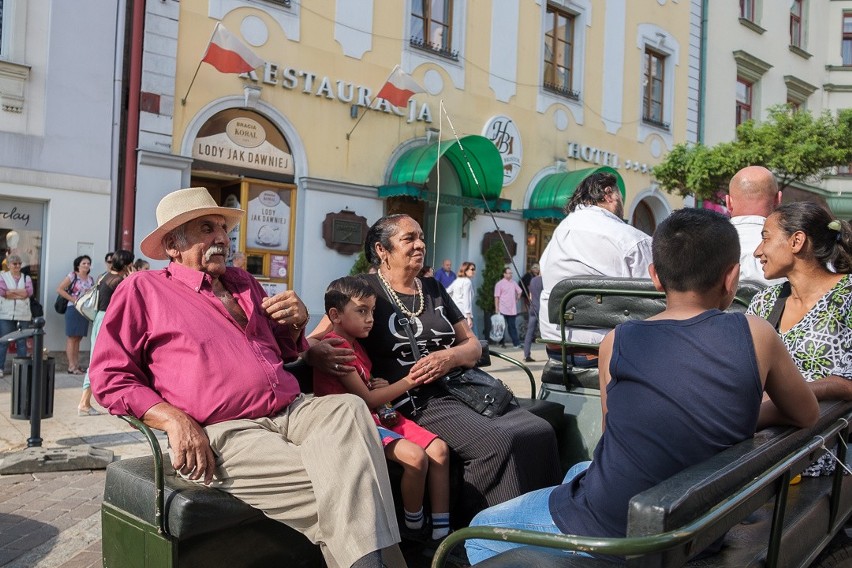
column 821, row 343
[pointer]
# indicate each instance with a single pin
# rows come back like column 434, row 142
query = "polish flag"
column 399, row 88
column 228, row 54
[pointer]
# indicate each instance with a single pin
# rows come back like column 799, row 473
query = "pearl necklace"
column 399, row 303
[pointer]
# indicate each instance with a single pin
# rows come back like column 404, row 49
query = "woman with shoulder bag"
column 496, row 452
column 15, row 291
column 72, row 287
column 119, row 269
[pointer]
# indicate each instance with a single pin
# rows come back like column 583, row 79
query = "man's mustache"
column 216, row 249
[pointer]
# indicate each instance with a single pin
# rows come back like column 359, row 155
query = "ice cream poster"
column 268, row 224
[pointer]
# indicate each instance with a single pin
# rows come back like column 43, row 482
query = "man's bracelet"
column 303, row 325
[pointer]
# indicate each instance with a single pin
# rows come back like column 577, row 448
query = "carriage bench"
column 740, row 499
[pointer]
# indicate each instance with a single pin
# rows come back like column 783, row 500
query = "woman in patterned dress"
column 805, row 244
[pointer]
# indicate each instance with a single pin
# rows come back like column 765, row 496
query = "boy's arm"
column 604, row 356
column 791, row 400
column 374, row 398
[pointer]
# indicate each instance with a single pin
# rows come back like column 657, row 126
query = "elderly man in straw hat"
column 196, row 350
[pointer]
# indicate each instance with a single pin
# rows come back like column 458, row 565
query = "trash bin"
column 22, row 372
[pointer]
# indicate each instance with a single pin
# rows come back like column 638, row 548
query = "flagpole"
column 369, row 108
column 191, row 83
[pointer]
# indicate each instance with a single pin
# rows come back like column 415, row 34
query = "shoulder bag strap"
column 778, row 309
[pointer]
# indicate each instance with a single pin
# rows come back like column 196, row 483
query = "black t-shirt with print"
column 388, row 345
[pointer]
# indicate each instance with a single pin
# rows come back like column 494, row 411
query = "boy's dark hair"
column 340, row 291
column 693, row 248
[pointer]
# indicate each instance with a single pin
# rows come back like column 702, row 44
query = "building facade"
column 758, row 56
column 59, row 132
column 521, row 100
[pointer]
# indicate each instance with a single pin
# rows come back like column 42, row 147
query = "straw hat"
column 181, row 206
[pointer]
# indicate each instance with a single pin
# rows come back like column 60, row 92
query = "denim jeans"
column 8, row 326
column 530, row 511
column 512, row 329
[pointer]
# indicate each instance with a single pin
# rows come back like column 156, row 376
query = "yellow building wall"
column 364, row 158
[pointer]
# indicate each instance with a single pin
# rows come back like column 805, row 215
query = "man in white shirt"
column 752, row 195
column 592, row 240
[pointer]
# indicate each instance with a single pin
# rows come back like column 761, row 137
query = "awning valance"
column 412, row 170
column 553, row 191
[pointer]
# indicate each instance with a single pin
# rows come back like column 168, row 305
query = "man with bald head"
column 752, row 195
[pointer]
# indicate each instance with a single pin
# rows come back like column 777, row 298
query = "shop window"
column 21, row 229
column 559, row 44
column 744, row 100
column 432, row 27
column 846, row 45
column 796, row 10
column 653, row 88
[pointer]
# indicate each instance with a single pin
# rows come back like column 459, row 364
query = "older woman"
column 805, row 244
column 72, row 287
column 503, row 457
column 15, row 291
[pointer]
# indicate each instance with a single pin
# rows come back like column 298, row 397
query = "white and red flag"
column 228, row 54
column 399, row 88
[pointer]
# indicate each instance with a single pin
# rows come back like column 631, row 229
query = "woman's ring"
column 336, row 367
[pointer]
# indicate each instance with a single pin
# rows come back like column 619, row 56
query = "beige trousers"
column 318, row 467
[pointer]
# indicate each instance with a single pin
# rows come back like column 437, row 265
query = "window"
column 796, row 23
column 653, row 88
column 744, row 96
column 559, row 44
column 747, row 9
column 432, row 26
column 846, row 46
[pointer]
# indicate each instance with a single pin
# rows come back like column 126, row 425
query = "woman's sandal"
column 76, row 371
column 87, row 412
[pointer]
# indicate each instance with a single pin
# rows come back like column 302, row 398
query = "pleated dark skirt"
column 503, row 457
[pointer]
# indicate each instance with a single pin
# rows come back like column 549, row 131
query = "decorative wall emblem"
column 501, row 130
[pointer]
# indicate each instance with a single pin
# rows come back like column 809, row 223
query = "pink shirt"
column 166, row 337
column 507, row 293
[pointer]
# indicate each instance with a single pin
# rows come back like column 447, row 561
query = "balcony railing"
column 656, row 123
column 444, row 52
column 560, row 90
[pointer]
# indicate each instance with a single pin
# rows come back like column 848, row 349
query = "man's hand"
column 286, row 308
column 328, row 358
column 188, row 443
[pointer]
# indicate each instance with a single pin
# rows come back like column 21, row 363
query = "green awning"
column 411, row 190
column 412, row 170
column 553, row 192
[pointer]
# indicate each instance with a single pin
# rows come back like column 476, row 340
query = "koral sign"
column 310, row 83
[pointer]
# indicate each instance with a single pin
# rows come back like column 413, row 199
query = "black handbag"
column 483, row 393
column 36, row 310
column 61, row 303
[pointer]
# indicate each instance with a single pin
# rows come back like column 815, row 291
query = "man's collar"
column 194, row 279
column 598, row 208
column 197, row 279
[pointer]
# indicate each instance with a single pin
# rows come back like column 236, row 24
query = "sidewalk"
column 50, row 520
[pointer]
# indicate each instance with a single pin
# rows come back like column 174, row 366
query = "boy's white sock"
column 414, row 521
column 440, row 525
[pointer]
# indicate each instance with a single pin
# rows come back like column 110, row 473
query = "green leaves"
column 796, row 146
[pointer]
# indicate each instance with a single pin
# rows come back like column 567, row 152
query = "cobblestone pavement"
column 52, row 519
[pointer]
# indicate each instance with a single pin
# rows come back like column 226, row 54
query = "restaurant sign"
column 240, row 138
